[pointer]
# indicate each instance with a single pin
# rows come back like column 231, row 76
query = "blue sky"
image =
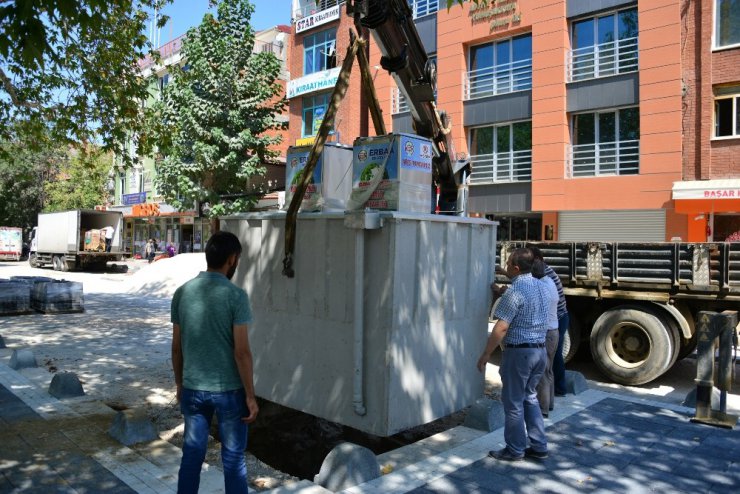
column 185, row 14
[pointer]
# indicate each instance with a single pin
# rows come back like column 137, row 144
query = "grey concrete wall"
column 426, row 301
column 576, row 8
column 605, row 92
column 502, row 108
column 500, row 198
column 427, row 29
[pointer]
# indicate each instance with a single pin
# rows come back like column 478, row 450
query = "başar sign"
column 500, row 13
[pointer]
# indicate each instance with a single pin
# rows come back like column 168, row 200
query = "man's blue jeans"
column 198, row 408
column 558, row 363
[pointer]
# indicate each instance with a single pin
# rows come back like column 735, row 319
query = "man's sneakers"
column 537, row 455
column 505, row 455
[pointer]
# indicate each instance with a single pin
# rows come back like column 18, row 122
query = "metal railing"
column 398, row 102
column 423, row 7
column 589, row 62
column 310, row 7
column 501, row 79
column 509, row 166
column 605, row 158
column 264, row 46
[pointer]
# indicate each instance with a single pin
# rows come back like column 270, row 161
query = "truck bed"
column 666, row 269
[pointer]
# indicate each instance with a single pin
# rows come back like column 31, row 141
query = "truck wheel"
column 56, row 261
column 572, row 339
column 631, row 345
column 32, row 261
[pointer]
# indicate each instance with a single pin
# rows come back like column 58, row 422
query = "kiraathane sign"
column 313, row 82
column 317, row 19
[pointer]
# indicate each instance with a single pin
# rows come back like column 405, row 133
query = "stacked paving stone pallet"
column 15, row 297
column 42, row 294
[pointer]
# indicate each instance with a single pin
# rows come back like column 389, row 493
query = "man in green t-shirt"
column 213, row 365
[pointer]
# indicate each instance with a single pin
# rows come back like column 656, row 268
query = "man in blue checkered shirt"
column 521, row 327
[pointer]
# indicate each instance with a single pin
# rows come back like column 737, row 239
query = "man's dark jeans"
column 558, row 363
column 198, row 408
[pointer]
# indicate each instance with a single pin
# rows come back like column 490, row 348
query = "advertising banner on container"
column 392, row 172
column 297, row 159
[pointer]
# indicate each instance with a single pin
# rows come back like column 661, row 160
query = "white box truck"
column 11, row 243
column 59, row 239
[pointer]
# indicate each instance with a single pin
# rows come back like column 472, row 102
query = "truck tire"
column 32, row 261
column 57, row 262
column 572, row 339
column 631, row 345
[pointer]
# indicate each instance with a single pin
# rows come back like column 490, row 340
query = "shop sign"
column 305, row 141
column 317, row 19
column 711, row 193
column 501, row 14
column 131, row 199
column 187, row 220
column 313, row 82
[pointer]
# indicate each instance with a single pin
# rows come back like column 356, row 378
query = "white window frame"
column 715, row 21
column 735, row 104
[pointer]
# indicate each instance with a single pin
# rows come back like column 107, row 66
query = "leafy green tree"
column 210, row 125
column 70, row 68
column 24, row 169
column 80, row 182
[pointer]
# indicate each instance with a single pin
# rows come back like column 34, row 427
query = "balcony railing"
column 398, row 102
column 423, row 7
column 616, row 57
column 605, row 158
column 310, row 7
column 501, row 79
column 510, row 166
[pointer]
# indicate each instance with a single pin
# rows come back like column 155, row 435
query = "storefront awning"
column 705, row 196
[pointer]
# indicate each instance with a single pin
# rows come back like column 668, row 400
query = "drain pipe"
column 359, row 326
column 360, row 221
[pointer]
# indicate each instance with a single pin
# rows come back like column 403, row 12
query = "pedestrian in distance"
column 521, row 327
column 546, row 386
column 212, row 362
column 150, row 250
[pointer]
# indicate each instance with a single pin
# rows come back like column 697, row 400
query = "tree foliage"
column 24, row 170
column 80, row 181
column 211, row 122
column 70, row 68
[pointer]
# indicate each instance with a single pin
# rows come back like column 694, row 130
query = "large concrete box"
column 426, row 297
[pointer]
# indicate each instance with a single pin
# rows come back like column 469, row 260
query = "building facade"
column 583, row 119
column 146, row 214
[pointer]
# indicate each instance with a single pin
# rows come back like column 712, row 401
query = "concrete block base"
column 690, row 400
column 22, row 359
column 65, row 385
column 485, row 415
column 575, row 382
column 347, row 465
column 131, row 427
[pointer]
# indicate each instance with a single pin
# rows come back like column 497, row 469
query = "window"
column 314, row 109
column 122, row 183
column 423, row 7
column 501, row 153
column 499, row 68
column 604, row 46
column 727, row 116
column 605, row 143
column 726, row 23
column 163, row 81
column 319, row 52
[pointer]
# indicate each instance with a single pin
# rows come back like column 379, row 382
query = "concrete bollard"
column 2, row 342
column 65, row 385
column 575, row 382
column 131, row 427
column 22, row 359
column 485, row 415
column 347, row 465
